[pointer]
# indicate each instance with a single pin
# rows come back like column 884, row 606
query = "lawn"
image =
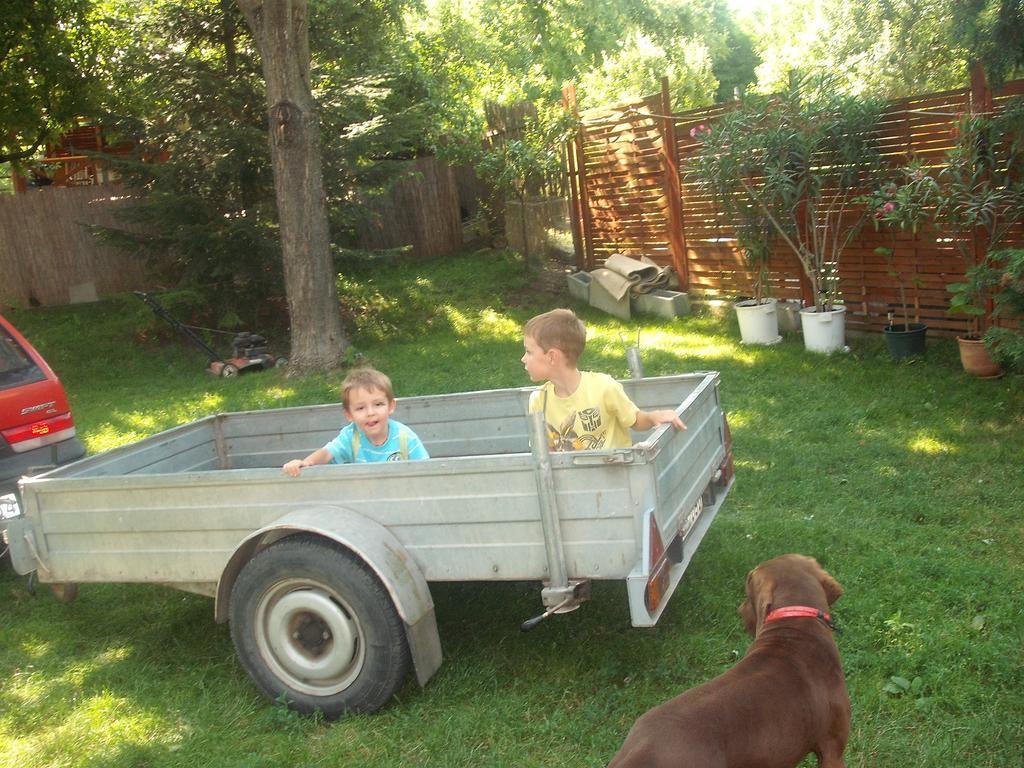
column 905, row 480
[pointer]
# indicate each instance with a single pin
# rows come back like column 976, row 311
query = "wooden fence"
column 510, row 122
column 631, row 194
column 48, row 257
column 420, row 211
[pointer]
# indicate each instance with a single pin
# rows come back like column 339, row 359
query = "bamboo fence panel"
column 420, row 212
column 47, row 253
column 46, row 249
column 621, row 206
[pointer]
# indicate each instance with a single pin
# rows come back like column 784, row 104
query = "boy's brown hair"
column 367, row 378
column 558, row 329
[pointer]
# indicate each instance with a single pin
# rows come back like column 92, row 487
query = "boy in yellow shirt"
column 583, row 410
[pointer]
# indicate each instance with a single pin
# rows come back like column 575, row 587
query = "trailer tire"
column 314, row 627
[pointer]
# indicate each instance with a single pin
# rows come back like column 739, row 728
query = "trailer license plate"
column 691, row 519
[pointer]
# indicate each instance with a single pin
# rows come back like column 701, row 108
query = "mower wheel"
column 281, row 362
column 228, row 371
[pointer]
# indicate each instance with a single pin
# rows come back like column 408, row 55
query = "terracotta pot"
column 976, row 358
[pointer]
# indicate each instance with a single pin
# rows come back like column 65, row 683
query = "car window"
column 16, row 367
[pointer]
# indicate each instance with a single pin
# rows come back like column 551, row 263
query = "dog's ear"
column 833, row 589
column 746, row 609
column 760, row 594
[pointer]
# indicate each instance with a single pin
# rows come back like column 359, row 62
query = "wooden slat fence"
column 46, row 250
column 622, row 202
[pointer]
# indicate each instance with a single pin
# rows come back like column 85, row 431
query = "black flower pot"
column 905, row 340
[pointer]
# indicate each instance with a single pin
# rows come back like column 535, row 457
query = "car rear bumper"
column 14, row 465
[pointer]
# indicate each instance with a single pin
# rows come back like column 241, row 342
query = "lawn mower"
column 249, row 350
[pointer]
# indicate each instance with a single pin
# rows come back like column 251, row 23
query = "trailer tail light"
column 661, row 565
column 28, row 437
column 725, row 469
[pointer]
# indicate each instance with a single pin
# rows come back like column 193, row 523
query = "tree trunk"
column 280, row 30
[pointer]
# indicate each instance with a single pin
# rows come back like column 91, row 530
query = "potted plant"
column 757, row 317
column 801, row 165
column 975, row 201
column 996, row 283
column 904, row 339
column 903, row 207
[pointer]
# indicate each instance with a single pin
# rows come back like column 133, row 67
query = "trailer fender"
column 378, row 548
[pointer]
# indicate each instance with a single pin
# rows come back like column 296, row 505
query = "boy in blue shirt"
column 371, row 435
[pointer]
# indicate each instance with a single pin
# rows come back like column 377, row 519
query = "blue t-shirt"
column 340, row 447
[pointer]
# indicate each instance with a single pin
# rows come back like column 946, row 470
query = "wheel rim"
column 309, row 637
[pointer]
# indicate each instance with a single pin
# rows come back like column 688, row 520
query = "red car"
column 36, row 428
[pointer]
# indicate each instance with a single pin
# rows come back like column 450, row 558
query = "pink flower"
column 888, row 207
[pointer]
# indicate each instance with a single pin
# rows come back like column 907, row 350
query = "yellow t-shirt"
column 597, row 415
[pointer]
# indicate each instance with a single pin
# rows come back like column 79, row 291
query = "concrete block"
column 789, row 316
column 602, row 299
column 661, row 302
column 83, row 293
column 579, row 286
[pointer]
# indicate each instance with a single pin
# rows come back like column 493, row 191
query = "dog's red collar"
column 800, row 611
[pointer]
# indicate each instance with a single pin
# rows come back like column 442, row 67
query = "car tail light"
column 39, row 433
column 658, row 580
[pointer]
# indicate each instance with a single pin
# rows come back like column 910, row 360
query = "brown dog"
column 783, row 700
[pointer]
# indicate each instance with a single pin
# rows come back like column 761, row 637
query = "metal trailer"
column 324, row 578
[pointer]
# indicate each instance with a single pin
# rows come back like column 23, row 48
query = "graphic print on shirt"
column 590, row 419
column 565, row 437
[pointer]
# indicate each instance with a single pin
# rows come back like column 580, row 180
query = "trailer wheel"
column 310, row 622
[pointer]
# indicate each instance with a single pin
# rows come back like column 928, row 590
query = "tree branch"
column 25, row 153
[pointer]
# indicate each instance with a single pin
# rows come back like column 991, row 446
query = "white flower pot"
column 759, row 324
column 824, row 331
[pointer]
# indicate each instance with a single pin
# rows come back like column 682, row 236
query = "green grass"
column 905, row 480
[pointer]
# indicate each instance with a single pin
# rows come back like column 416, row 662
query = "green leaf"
column 978, row 623
column 897, row 686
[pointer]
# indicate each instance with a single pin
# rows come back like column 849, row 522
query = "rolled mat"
column 621, row 275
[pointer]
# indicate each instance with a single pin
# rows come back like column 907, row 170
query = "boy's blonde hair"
column 558, row 329
column 367, row 378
